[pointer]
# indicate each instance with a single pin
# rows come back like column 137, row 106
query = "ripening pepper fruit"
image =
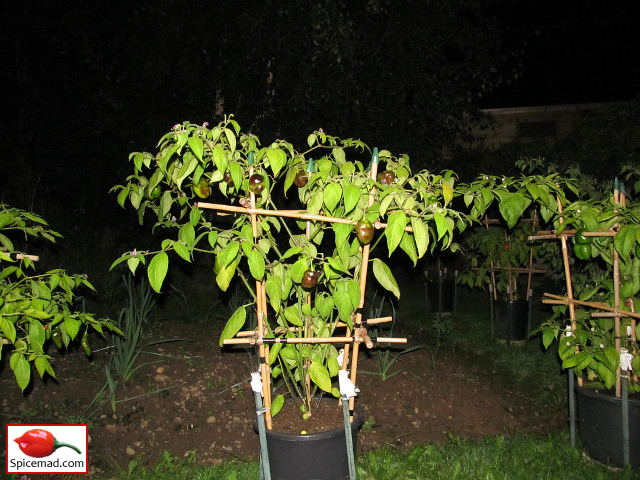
column 40, row 443
column 582, row 251
column 581, row 238
column 56, row 336
column 86, row 346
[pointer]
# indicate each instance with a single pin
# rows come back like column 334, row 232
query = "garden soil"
column 192, row 396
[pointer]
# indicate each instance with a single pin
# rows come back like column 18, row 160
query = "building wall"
column 527, row 124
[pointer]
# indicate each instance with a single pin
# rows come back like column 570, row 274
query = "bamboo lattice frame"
column 615, row 311
column 351, row 338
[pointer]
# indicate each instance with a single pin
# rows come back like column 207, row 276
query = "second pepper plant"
column 307, row 260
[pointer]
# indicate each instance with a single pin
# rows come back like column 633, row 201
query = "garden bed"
column 209, row 406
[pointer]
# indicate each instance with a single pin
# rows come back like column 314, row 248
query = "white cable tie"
column 347, row 388
column 256, row 382
column 625, row 360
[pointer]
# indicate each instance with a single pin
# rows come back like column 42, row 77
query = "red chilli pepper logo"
column 39, row 443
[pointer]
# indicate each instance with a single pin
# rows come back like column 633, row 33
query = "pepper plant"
column 36, row 309
column 309, row 260
column 519, row 205
column 605, row 236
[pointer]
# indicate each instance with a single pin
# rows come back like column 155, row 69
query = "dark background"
column 89, row 82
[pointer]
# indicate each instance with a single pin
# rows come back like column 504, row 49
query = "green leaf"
column 187, row 234
column 157, row 270
column 548, row 335
column 230, row 252
column 396, row 224
column 277, row 159
column 234, row 324
column 408, row 245
column 320, row 376
column 72, row 326
column 384, row 276
column 292, row 315
column 8, row 329
column 332, row 195
column 273, row 287
column 298, row 269
column 441, row 224
column 183, row 251
column 343, row 302
column 197, row 146
column 256, row 264
column 512, row 206
column 42, row 365
column 133, row 263
column 277, row 404
column 225, row 275
column 21, row 370
column 421, row 235
column 36, row 334
column 351, row 194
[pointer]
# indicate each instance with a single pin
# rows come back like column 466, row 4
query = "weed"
column 369, row 424
column 385, row 358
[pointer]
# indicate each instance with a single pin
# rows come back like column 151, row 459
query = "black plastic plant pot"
column 441, row 296
column 600, row 421
column 316, row 456
column 512, row 320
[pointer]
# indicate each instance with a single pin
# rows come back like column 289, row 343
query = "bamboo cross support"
column 351, row 339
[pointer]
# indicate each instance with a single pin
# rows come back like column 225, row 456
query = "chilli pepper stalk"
column 39, row 443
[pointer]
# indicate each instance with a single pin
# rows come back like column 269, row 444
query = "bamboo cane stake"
column 23, row 256
column 369, row 321
column 493, row 273
column 518, row 269
column 616, row 296
column 390, row 340
column 567, row 276
column 260, row 311
column 363, row 287
column 297, row 214
column 533, row 224
column 307, row 378
column 263, row 292
column 572, row 233
column 360, row 337
column 559, row 300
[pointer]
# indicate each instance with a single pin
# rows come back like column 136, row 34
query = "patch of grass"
column 527, row 367
column 496, row 458
column 549, row 457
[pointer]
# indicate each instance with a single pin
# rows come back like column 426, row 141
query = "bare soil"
column 207, row 404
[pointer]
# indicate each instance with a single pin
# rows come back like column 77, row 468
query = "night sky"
column 92, row 82
column 577, row 52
